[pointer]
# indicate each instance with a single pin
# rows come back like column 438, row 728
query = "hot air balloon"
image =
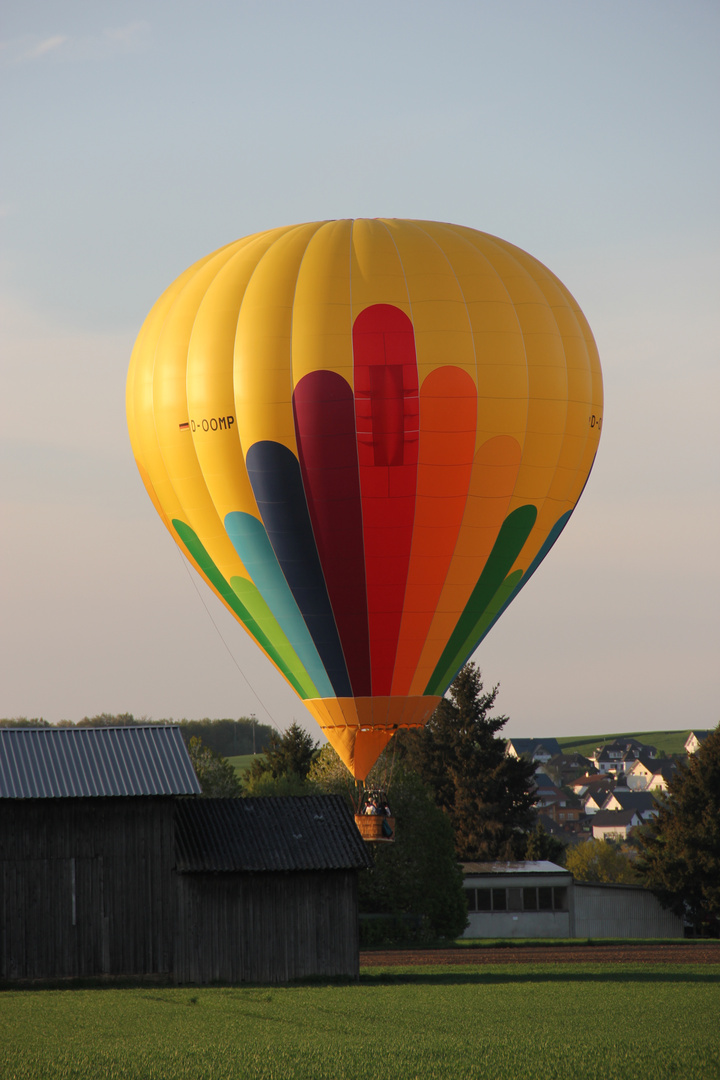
column 366, row 435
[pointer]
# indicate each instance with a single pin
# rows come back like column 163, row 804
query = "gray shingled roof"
column 634, row 800
column 57, row 763
column 529, row 746
column 608, row 818
column 311, row 832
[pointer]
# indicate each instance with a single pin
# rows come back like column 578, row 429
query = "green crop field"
column 242, row 762
column 666, row 742
column 504, row 1022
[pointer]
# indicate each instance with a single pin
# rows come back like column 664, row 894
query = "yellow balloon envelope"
column 366, row 435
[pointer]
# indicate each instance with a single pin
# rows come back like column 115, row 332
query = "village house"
column 563, row 812
column 563, row 769
column 593, row 802
column 540, row 750
column 660, row 779
column 639, row 774
column 596, row 790
column 694, row 741
column 619, row 755
column 642, row 802
column 569, row 832
column 583, row 784
column 614, row 824
column 650, row 774
column 545, row 790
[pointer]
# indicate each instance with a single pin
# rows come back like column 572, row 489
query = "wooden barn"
column 87, row 850
column 267, row 889
column 111, row 866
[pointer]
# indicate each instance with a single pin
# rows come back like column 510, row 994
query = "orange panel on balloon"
column 494, row 473
column 443, row 479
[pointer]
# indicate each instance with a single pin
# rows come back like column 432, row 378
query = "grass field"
column 242, row 762
column 505, row 1022
column 666, row 742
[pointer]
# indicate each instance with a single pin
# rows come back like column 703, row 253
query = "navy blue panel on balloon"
column 276, row 481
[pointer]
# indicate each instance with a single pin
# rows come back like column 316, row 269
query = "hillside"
column 666, row 742
column 242, row 762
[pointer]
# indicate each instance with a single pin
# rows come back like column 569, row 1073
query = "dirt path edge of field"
column 695, row 952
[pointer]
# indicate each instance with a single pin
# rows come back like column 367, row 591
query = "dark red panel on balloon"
column 387, row 412
column 327, row 450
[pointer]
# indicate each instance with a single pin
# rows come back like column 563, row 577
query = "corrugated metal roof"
column 539, row 866
column 57, row 763
column 310, row 832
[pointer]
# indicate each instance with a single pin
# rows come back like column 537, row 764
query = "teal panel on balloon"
column 250, row 540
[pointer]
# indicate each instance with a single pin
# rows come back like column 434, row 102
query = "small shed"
column 267, row 889
column 87, row 849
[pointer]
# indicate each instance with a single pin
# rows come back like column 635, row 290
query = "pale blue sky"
column 139, row 137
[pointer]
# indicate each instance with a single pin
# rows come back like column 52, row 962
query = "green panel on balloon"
column 195, row 547
column 548, row 543
column 250, row 596
column 513, row 533
column 499, row 601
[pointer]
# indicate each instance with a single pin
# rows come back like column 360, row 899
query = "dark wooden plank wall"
column 266, row 927
column 86, row 887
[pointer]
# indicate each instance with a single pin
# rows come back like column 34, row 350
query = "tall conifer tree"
column 680, row 849
column 487, row 795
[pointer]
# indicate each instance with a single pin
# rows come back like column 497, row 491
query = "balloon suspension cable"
column 250, row 687
column 392, row 763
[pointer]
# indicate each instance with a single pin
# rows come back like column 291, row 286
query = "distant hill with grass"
column 242, row 762
column 665, row 742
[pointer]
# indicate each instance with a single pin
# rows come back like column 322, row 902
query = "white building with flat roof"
column 541, row 900
column 517, row 899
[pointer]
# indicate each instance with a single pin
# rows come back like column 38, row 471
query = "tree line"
column 230, row 738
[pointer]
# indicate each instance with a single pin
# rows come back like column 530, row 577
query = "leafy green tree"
column 418, row 875
column 229, row 737
column 23, row 721
column 329, row 775
column 110, row 720
column 541, row 845
column 263, row 784
column 290, row 754
column 215, row 773
column 487, row 796
column 600, row 861
column 679, row 851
